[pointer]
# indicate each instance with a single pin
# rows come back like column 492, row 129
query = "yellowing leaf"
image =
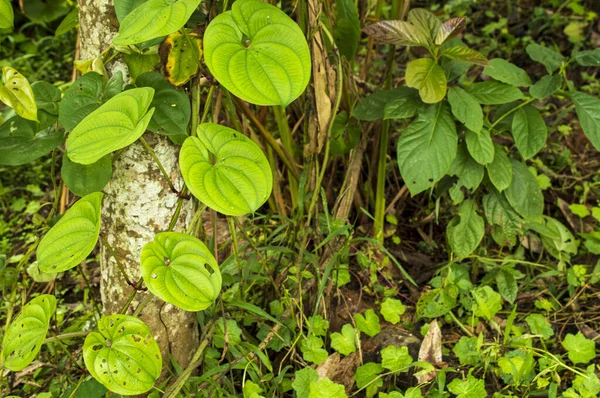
column 17, row 93
column 183, row 58
column 427, row 77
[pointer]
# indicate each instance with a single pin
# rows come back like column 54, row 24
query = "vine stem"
column 159, row 164
column 286, row 138
column 234, row 242
column 513, row 110
column 131, row 296
column 66, row 336
column 119, row 265
column 211, row 90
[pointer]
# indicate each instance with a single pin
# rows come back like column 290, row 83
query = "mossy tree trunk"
column 137, row 204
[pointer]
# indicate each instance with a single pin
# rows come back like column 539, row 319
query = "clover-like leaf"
column 258, row 53
column 7, row 16
column 180, row 269
column 428, row 77
column 73, row 237
column 123, row 355
column 25, row 335
column 225, row 170
column 115, row 125
column 17, row 93
column 450, row 29
column 154, row 18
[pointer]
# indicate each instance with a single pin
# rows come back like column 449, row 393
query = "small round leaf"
column 123, row 355
column 225, row 170
column 180, row 269
column 115, row 125
column 258, row 53
column 73, row 237
column 25, row 335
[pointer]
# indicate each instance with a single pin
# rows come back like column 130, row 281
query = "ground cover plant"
column 299, row 198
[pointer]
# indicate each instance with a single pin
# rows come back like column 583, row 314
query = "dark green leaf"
column 587, row 58
column 546, row 86
column 524, row 193
column 85, row 179
column 82, row 98
column 21, row 143
column 346, row 32
column 465, row 231
column 466, row 108
column 529, row 131
column 500, row 170
column 372, row 107
column 494, row 93
column 68, row 23
column 546, row 56
column 588, row 111
column 469, row 172
column 480, row 146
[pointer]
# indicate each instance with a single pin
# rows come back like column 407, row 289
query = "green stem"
column 196, row 98
column 159, row 164
column 131, row 296
column 234, row 242
column 144, row 303
column 211, row 90
column 460, row 324
column 286, row 138
column 66, row 336
column 516, row 108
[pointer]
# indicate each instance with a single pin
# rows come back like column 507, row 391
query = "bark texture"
column 137, row 204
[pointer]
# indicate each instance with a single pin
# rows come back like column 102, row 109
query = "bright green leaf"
column 467, row 351
column 500, row 169
column 17, row 94
column 366, row 375
column 421, row 159
column 579, row 210
column 302, row 381
column 470, row 388
column 368, row 323
column 465, row 54
column 312, row 350
column 508, row 73
column 480, row 146
column 428, row 77
column 258, row 53
column 538, row 324
column 437, row 302
column 73, row 237
column 487, row 302
column 82, row 98
column 7, row 16
column 326, row 388
column 344, row 342
column 396, row 359
column 524, row 193
column 122, row 119
column 546, row 56
column 154, row 18
column 424, row 20
column 180, row 270
column 529, row 131
column 123, row 355
column 252, row 390
column 588, row 111
column 392, row 309
column 124, row 7
column 69, row 23
column 494, row 93
column 225, row 170
column 579, row 348
column 85, row 179
column 26, row 333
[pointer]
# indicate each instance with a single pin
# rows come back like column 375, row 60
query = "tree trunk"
column 137, row 204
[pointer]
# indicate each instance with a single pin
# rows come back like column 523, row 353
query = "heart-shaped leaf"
column 21, row 143
column 154, row 18
column 17, row 93
column 115, row 125
column 7, row 16
column 171, row 106
column 225, row 170
column 181, row 270
column 82, row 98
column 73, row 237
column 258, row 53
column 123, row 355
column 25, row 335
column 427, row 77
column 84, row 179
column 183, row 59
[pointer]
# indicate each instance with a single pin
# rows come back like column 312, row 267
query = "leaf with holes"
column 7, row 16
column 399, row 33
column 17, row 93
column 73, row 237
column 258, row 53
column 427, row 148
column 225, row 170
column 123, row 355
column 172, row 109
column 25, row 335
column 154, row 18
column 180, row 269
column 427, row 77
column 183, row 58
column 115, row 125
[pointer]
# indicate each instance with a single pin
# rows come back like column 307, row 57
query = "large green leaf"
column 466, row 109
column 21, row 143
column 428, row 77
column 546, row 56
column 500, row 170
column 508, row 73
column 588, row 111
column 480, row 146
column 25, row 335
column 258, row 53
column 225, row 170
column 73, row 237
column 172, row 109
column 529, row 131
column 465, row 231
column 84, row 179
column 427, row 148
column 183, row 57
column 181, row 270
column 494, row 93
column 396, row 32
column 7, row 16
column 346, row 31
column 123, row 355
column 82, row 98
column 154, row 18
column 115, row 125
column 469, row 172
column 524, row 193
column 17, row 93
column 47, row 98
